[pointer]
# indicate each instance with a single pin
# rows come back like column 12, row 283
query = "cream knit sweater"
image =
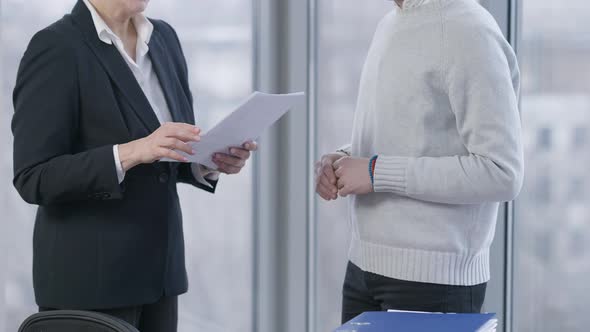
column 438, row 104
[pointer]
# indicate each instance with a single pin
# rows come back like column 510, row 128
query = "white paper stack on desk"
column 404, row 321
column 489, row 326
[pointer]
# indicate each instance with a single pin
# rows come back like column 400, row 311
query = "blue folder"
column 416, row 322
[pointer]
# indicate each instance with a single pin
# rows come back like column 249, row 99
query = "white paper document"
column 246, row 123
column 490, row 326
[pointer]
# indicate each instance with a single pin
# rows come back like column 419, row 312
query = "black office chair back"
column 74, row 321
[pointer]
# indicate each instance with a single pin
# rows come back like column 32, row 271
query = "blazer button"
column 163, row 178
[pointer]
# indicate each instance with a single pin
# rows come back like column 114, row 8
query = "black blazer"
column 97, row 243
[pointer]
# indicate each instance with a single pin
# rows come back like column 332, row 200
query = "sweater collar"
column 409, row 4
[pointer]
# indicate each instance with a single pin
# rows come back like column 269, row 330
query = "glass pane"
column 216, row 38
column 19, row 21
column 344, row 33
column 552, row 244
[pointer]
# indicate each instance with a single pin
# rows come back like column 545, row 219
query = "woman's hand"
column 353, row 176
column 160, row 144
column 325, row 179
column 233, row 162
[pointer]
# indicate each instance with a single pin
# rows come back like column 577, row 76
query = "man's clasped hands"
column 338, row 174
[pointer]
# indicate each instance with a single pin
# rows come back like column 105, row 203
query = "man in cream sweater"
column 436, row 146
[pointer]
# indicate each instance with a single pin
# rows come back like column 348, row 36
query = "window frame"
column 284, row 235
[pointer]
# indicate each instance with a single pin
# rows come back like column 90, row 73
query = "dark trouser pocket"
column 466, row 299
column 356, row 297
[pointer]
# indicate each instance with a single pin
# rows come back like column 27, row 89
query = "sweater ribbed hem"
column 420, row 265
column 390, row 174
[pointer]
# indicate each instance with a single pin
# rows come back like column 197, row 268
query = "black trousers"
column 161, row 316
column 365, row 291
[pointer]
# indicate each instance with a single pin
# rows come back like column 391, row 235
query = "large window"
column 552, row 216
column 552, row 234
column 344, row 33
column 216, row 37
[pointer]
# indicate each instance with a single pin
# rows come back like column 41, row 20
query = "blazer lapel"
column 164, row 70
column 116, row 67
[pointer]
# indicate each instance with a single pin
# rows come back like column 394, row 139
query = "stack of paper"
column 403, row 321
column 246, row 123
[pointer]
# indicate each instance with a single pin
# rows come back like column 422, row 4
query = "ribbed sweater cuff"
column 390, row 174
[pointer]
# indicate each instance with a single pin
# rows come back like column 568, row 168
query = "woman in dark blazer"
column 101, row 96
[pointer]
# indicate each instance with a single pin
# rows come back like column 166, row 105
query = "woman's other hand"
column 233, row 162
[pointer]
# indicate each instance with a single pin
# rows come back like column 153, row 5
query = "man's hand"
column 233, row 162
column 353, row 176
column 325, row 179
column 160, row 144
